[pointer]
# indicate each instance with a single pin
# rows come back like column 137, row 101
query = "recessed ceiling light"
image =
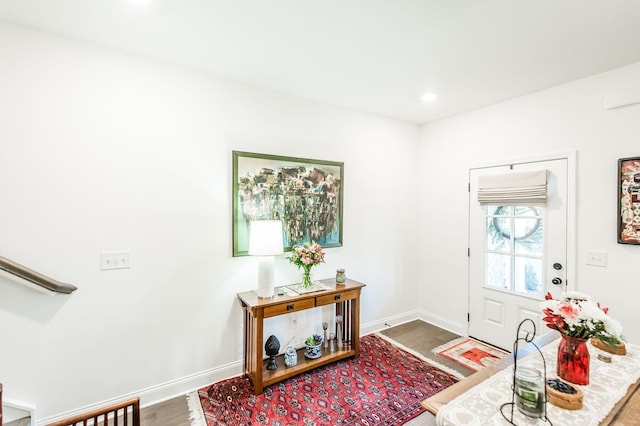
column 429, row 97
column 139, row 2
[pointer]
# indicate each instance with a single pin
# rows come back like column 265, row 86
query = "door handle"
column 557, row 281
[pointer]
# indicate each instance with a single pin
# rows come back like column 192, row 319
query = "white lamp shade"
column 265, row 238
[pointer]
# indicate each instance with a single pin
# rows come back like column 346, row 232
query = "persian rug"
column 470, row 353
column 384, row 386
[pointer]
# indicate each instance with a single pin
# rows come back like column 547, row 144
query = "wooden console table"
column 346, row 299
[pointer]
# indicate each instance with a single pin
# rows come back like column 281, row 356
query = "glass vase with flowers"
column 305, row 257
column 578, row 319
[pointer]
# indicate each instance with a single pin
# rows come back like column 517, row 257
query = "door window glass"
column 514, row 248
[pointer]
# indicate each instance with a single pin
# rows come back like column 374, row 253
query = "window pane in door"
column 514, row 248
column 528, row 275
column 500, row 210
column 528, row 236
column 498, row 234
column 498, row 271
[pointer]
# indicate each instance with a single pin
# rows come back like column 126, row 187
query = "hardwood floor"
column 629, row 412
column 423, row 337
column 417, row 335
column 174, row 412
column 20, row 422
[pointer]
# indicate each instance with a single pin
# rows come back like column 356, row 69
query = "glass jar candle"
column 529, row 391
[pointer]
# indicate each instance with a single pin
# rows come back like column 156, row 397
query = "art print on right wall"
column 629, row 200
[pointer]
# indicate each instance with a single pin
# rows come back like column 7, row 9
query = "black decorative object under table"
column 271, row 348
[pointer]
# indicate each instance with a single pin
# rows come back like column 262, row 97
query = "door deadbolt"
column 557, row 266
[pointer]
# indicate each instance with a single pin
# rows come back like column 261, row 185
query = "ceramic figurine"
column 325, row 326
column 271, row 348
column 332, row 342
column 290, row 356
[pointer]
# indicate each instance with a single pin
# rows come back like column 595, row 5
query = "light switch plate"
column 115, row 260
column 597, row 258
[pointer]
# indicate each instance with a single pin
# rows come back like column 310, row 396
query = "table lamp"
column 265, row 241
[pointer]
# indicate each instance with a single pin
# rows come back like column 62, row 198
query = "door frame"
column 571, row 266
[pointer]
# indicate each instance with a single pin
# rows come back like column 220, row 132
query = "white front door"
column 516, row 255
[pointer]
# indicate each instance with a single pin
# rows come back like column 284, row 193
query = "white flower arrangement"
column 576, row 315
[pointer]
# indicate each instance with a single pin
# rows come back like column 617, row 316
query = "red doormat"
column 384, row 386
column 470, row 353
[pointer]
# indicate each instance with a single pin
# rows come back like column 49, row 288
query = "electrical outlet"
column 115, row 260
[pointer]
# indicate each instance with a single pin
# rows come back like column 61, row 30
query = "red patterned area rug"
column 471, row 353
column 384, row 386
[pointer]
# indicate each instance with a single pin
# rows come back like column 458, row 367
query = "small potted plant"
column 314, row 346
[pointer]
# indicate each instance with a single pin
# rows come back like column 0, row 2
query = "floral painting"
column 305, row 194
column 629, row 204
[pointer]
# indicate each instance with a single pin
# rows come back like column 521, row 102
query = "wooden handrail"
column 125, row 412
column 34, row 277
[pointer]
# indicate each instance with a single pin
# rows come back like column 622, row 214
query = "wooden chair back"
column 125, row 413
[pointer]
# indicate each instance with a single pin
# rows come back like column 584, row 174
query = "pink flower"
column 576, row 315
column 568, row 310
column 307, row 255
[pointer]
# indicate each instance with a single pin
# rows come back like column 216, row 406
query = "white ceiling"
column 376, row 56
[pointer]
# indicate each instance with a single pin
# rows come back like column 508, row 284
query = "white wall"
column 100, row 150
column 565, row 118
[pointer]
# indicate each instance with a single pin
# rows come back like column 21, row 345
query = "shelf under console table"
column 345, row 297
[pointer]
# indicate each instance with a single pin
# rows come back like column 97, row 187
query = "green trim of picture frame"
column 306, row 194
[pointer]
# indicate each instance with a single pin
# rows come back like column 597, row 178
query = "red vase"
column 573, row 360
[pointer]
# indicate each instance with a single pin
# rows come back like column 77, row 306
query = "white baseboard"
column 162, row 392
column 381, row 324
column 156, row 394
column 181, row 386
column 444, row 323
column 14, row 410
column 437, row 320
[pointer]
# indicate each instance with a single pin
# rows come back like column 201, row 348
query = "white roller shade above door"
column 514, row 188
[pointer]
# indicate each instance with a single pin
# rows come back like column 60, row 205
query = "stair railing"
column 23, row 273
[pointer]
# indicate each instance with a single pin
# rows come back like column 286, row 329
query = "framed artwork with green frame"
column 305, row 194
